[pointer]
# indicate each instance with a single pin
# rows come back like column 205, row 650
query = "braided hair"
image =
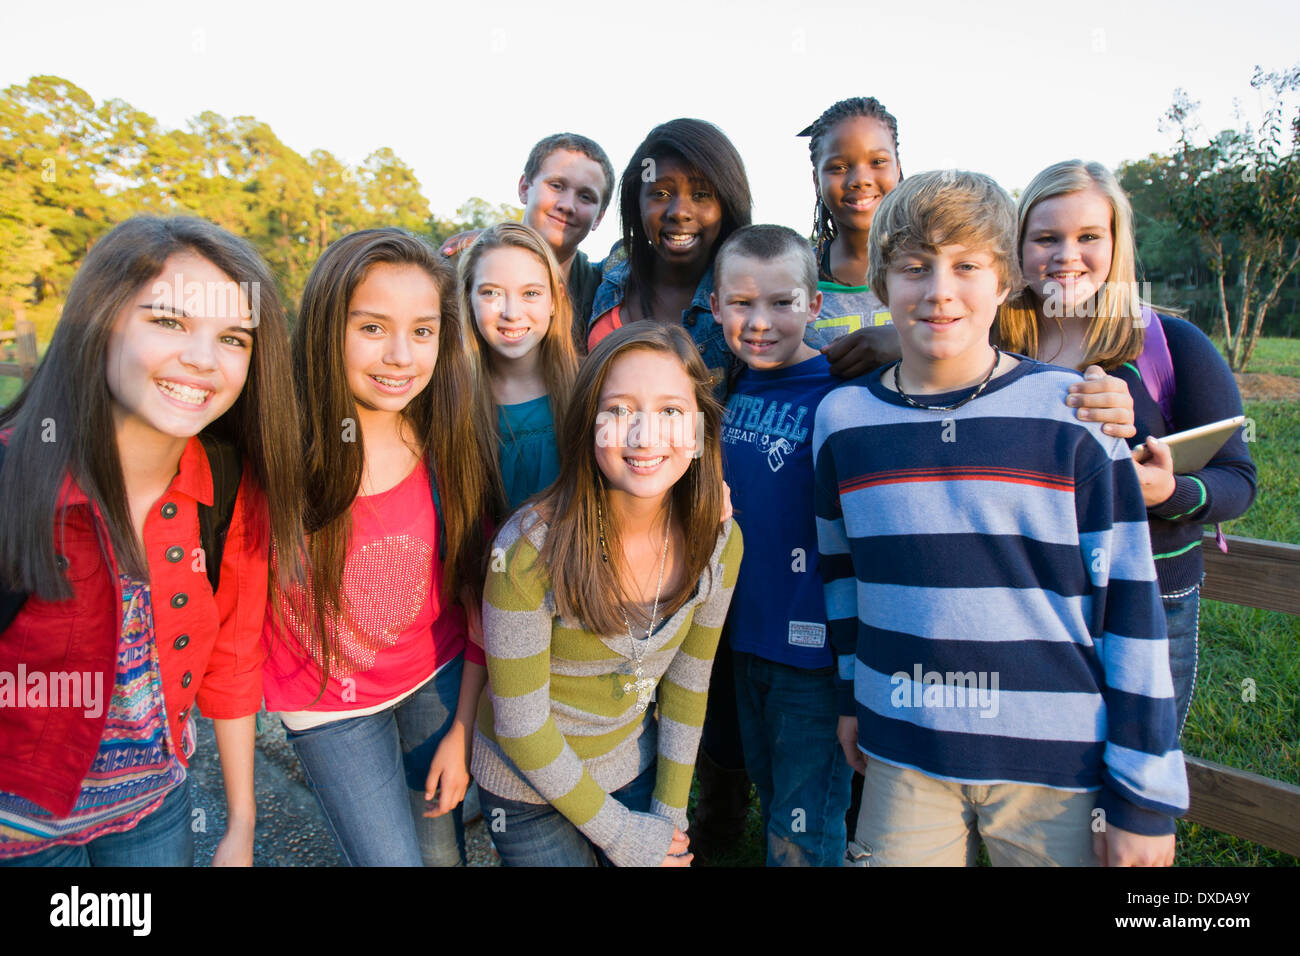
column 823, row 224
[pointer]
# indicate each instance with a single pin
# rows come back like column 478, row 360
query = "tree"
column 1240, row 194
column 71, row 170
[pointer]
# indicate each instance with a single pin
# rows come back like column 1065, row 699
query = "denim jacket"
column 697, row 320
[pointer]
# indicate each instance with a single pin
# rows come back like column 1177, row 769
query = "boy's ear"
column 815, row 305
column 713, row 304
column 523, row 189
column 1003, row 293
column 595, row 223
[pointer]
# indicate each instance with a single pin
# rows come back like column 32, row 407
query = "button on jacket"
column 208, row 646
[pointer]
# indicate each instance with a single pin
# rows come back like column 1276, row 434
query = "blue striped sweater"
column 991, row 595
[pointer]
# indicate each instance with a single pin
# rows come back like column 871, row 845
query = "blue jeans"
column 163, row 838
column 368, row 775
column 788, row 718
column 1182, row 616
column 536, row 834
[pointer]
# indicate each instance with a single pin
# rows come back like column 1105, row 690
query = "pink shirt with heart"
column 396, row 633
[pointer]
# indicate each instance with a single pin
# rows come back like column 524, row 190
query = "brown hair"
column 573, row 143
column 441, row 416
column 558, row 357
column 581, row 581
column 939, row 208
column 1117, row 331
column 766, row 243
column 70, row 389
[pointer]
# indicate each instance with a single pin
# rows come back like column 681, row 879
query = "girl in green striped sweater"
column 601, row 616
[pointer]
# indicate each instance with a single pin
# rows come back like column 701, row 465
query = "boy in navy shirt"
column 765, row 293
column 989, row 578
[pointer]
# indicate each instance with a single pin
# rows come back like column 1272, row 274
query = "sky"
column 461, row 91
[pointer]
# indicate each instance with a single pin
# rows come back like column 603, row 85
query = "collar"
column 193, row 478
column 610, row 291
column 614, row 284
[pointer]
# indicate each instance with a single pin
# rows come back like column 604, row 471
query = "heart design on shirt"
column 387, row 583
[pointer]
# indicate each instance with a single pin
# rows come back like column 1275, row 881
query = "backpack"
column 214, row 520
column 1156, row 365
column 1156, row 368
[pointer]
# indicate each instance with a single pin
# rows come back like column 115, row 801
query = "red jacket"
column 208, row 646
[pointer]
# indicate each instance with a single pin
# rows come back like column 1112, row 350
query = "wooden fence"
column 19, row 347
column 1260, row 574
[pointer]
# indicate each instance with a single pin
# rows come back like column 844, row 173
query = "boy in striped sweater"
column 990, row 592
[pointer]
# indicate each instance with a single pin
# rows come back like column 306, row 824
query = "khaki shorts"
column 911, row 819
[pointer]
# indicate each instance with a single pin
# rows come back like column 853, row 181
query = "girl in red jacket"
column 113, row 628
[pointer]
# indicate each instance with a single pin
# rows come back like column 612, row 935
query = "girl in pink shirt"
column 369, row 664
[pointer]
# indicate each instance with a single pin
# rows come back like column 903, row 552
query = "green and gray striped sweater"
column 557, row 725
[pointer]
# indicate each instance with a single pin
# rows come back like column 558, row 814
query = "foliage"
column 1239, row 193
column 70, row 170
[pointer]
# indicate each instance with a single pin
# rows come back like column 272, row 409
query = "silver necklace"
column 644, row 686
column 898, row 384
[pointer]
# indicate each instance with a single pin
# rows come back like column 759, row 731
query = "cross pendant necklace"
column 643, row 686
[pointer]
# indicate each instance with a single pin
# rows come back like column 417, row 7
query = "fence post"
column 25, row 348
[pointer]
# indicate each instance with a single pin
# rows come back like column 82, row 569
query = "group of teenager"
column 479, row 516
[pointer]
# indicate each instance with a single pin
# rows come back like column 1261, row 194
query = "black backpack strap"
column 214, row 521
column 11, row 602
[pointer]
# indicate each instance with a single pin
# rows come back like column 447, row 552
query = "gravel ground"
column 290, row 828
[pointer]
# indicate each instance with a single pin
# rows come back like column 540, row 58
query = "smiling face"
column 179, row 351
column 645, row 427
column 1066, row 250
column 681, row 215
column 856, row 169
column 391, row 343
column 512, row 301
column 563, row 201
column 763, row 308
column 943, row 302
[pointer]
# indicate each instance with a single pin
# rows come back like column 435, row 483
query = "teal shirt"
column 530, row 459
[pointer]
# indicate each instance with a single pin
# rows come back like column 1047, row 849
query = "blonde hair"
column 940, row 208
column 1116, row 331
column 559, row 359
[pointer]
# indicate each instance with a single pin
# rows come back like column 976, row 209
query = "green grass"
column 10, row 386
column 1240, row 644
column 1276, row 357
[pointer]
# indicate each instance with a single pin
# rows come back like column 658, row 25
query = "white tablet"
column 1193, row 449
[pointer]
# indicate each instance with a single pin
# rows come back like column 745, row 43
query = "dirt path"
column 1262, row 387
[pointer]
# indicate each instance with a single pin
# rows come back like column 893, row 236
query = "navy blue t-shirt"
column 778, row 610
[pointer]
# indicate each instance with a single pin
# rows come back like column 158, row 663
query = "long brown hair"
column 584, row 588
column 1116, row 331
column 441, row 416
column 558, row 357
column 69, row 392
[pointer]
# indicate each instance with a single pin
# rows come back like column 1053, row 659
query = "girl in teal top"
column 529, row 458
column 511, row 283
